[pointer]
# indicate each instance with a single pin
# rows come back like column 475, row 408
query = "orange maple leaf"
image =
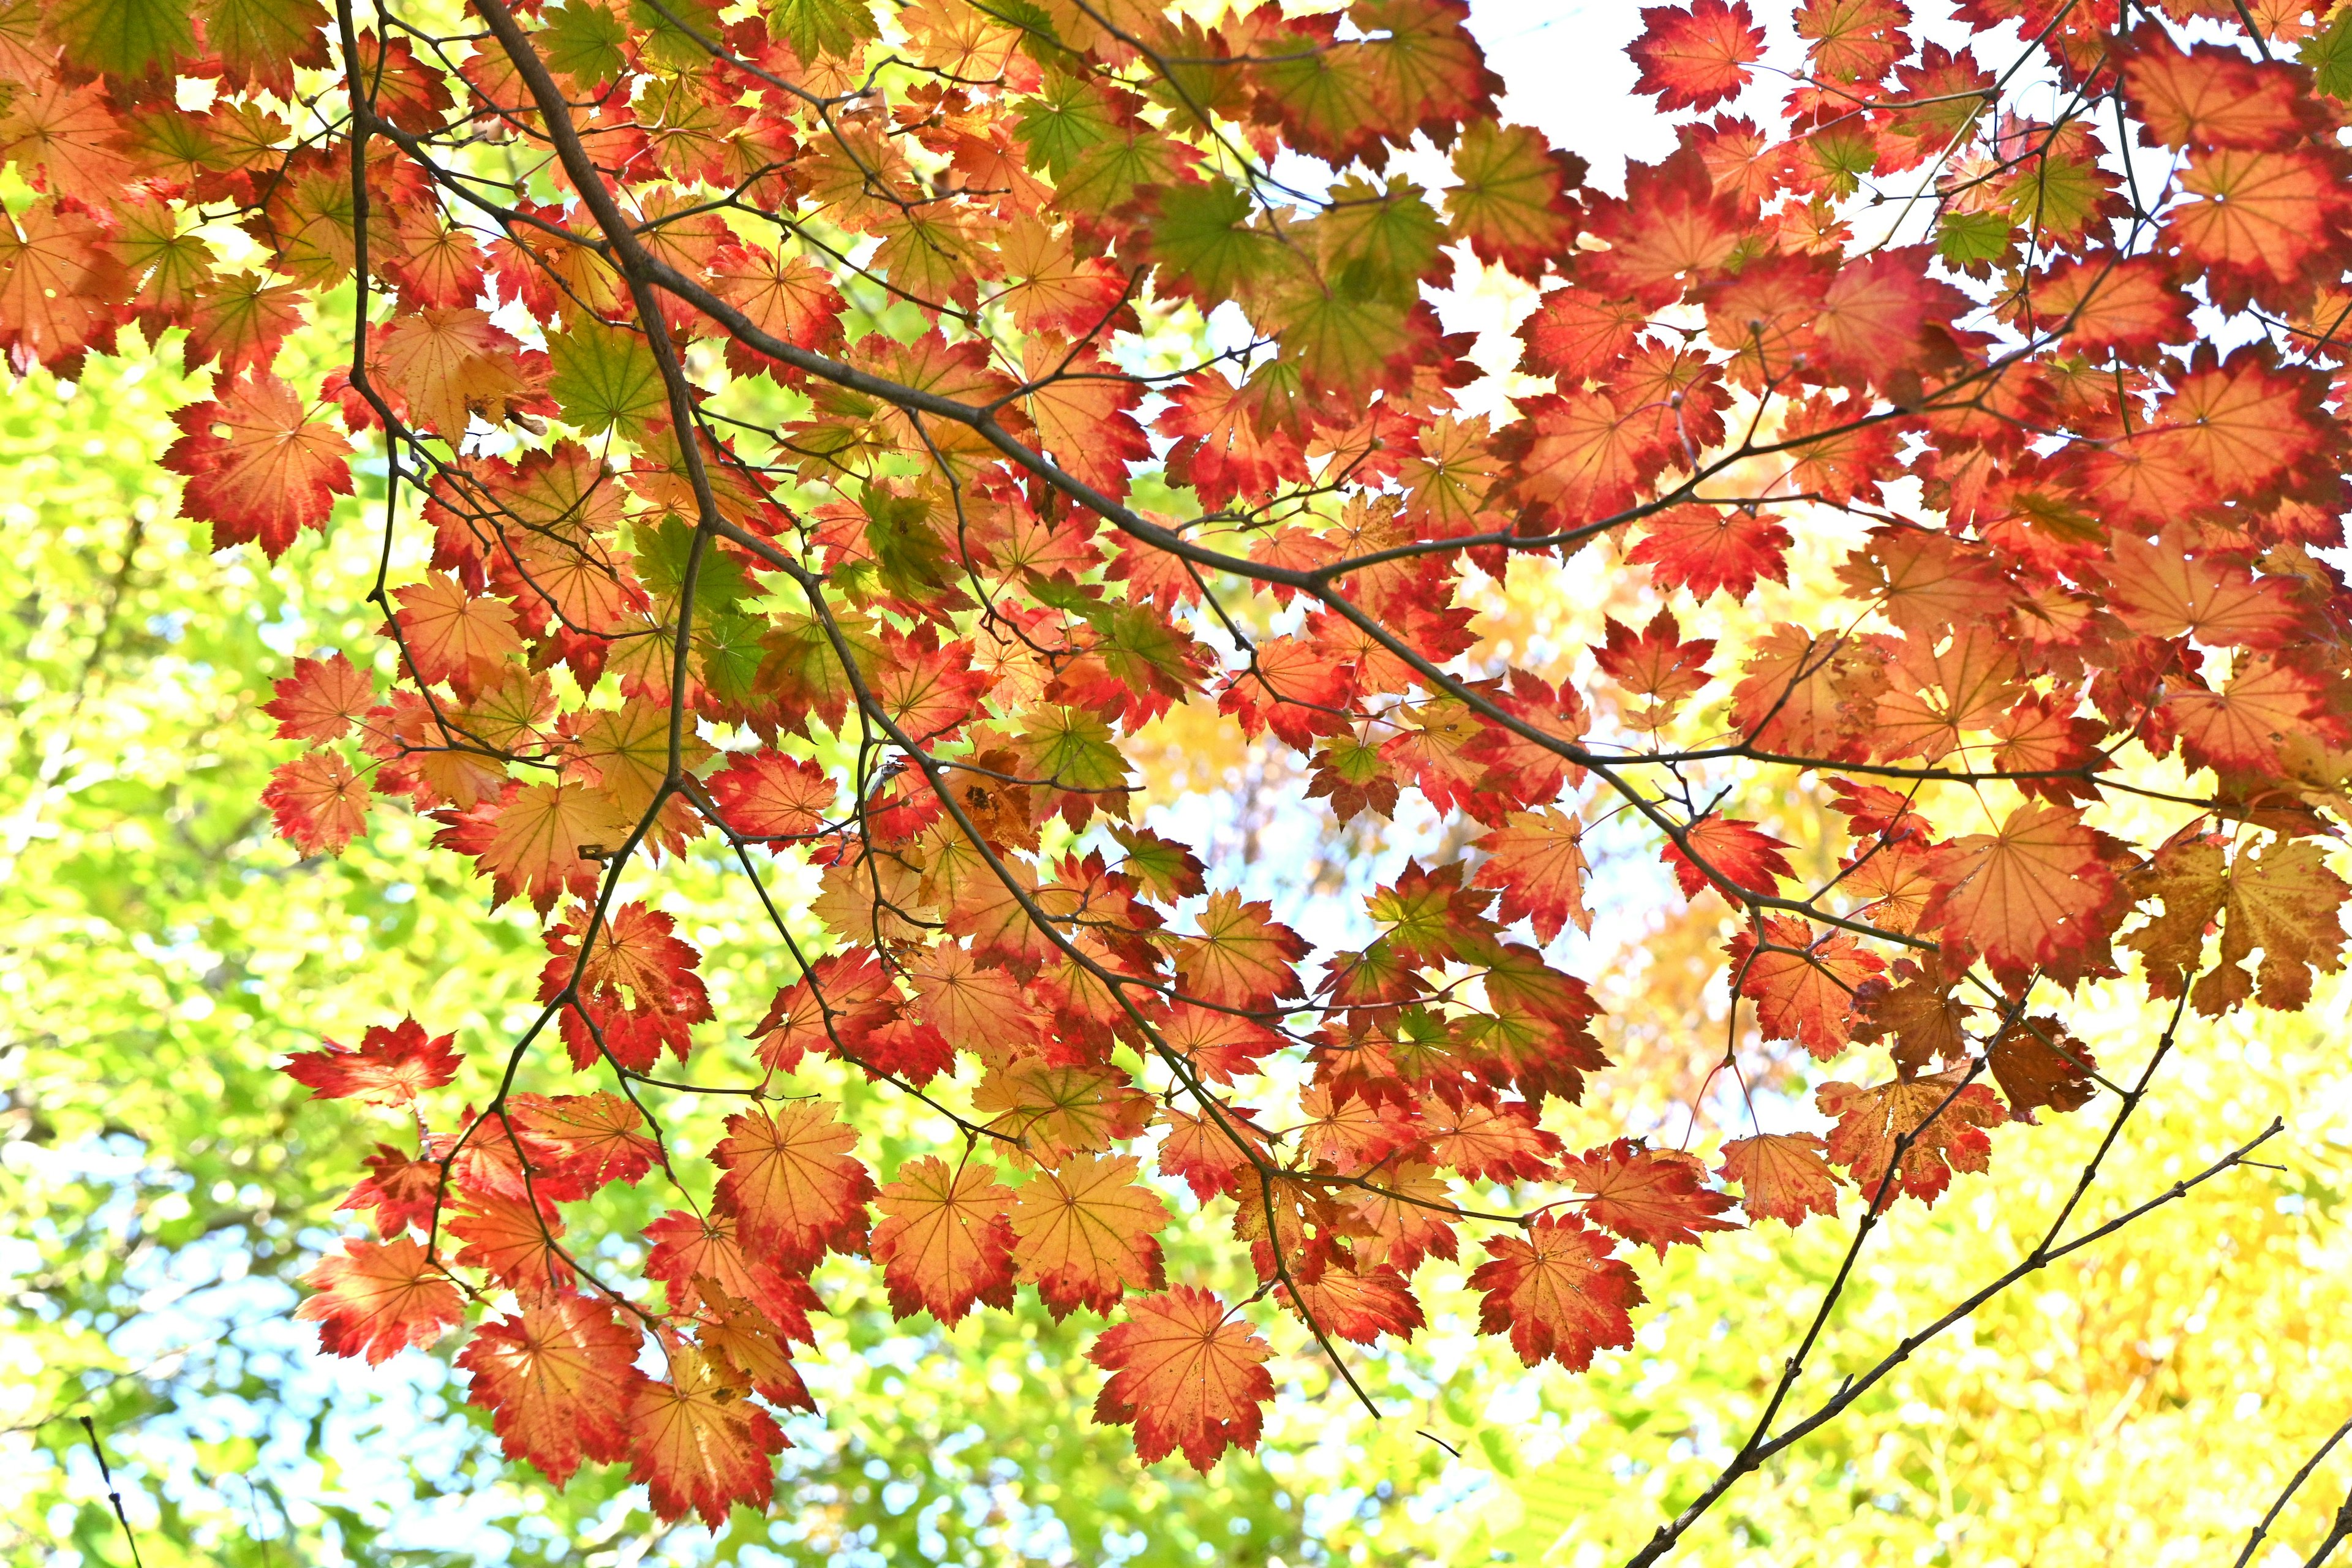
column 376, row 1300
column 697, row 1445
column 1185, row 1373
column 944, row 1241
column 1085, row 1234
column 559, row 1380
column 792, row 1181
column 1557, row 1293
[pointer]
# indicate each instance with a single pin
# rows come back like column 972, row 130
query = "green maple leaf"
column 1199, row 234
column 583, row 42
column 822, row 27
column 1067, row 116
column 1378, row 244
column 2329, row 54
column 604, row 377
column 121, row 37
column 1071, row 747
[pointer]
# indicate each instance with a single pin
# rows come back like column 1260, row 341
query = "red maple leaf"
column 1934, row 1122
column 321, row 699
column 764, row 794
column 1649, row 1196
column 1782, row 1176
column 401, row 1189
column 1654, row 665
column 1732, row 856
column 1804, row 988
column 1086, row 1234
column 1713, row 550
column 1537, row 858
column 698, row 1445
column 1695, row 58
column 317, row 803
column 635, row 991
column 1243, row 956
column 391, row 1066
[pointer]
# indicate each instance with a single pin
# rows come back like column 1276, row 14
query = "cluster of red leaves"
column 904, row 632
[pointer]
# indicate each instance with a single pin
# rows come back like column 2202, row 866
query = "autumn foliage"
column 842, row 431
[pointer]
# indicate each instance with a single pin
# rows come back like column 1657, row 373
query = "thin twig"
column 106, row 1473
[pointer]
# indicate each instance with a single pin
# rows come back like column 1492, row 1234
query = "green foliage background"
column 163, row 1185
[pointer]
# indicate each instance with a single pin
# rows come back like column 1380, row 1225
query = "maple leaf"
column 694, row 1255
column 1354, row 1134
column 391, row 1066
column 1431, row 917
column 2166, row 588
column 376, row 1300
column 745, row 1346
column 1054, row 1111
column 2282, row 899
column 1537, row 858
column 1781, row 1175
column 1713, row 550
column 320, row 699
column 763, row 794
column 2127, row 307
column 944, row 1241
column 1488, row 1140
column 444, row 359
column 1732, row 856
column 1557, row 1293
column 1791, row 698
column 2036, row 1064
column 1204, row 1155
column 601, row 376
column 513, row 1242
column 632, row 992
column 259, row 469
column 1656, row 665
column 1510, row 200
column 1649, row 1196
column 1086, row 1234
column 1941, row 1116
column 1927, row 1022
column 1805, row 990
column 1241, row 957
column 1358, row 1304
column 452, row 636
column 595, row 1135
column 1081, row 405
column 1695, row 58
column 2210, row 97
column 698, row 1445
column 534, row 840
column 403, row 1191
column 317, row 803
column 559, row 1380
column 1185, row 1374
column 2023, row 894
column 2242, row 727
column 1574, row 336
column 793, row 1182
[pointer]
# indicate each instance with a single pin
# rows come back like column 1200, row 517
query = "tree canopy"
column 831, row 477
